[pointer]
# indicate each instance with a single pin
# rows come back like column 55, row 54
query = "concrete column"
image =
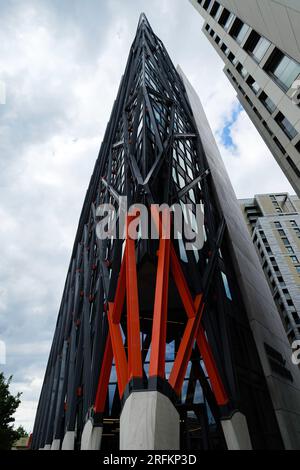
column 55, row 444
column 69, row 441
column 91, row 436
column 236, row 432
column 149, row 421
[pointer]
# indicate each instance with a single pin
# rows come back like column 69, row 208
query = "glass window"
column 231, row 57
column 257, row 45
column 290, row 72
column 295, row 259
column 267, row 128
column 181, row 181
column 226, row 286
column 298, row 269
column 242, row 71
column 286, row 126
column 279, row 145
column 242, row 34
column 225, row 49
column 277, row 224
column 267, row 102
column 253, row 85
column 226, row 19
column 170, row 351
column 289, row 249
column 281, row 233
column 239, row 30
column 286, row 241
column 283, row 68
column 216, row 10
column 206, row 4
column 260, row 49
column 293, row 166
column 257, row 113
column 293, row 223
column 229, row 21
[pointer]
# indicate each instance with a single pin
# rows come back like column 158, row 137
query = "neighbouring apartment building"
column 274, row 223
column 259, row 43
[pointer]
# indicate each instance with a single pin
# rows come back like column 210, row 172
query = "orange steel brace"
column 194, row 330
column 159, row 327
column 120, row 294
column 181, row 284
column 185, row 349
column 118, row 350
column 103, row 382
column 211, row 367
column 194, row 309
column 135, row 368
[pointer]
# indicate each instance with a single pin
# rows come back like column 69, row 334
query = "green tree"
column 8, row 406
column 21, row 432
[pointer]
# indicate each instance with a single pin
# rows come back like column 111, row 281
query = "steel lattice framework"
column 148, row 314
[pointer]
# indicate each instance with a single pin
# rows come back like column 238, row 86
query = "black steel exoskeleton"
column 152, row 153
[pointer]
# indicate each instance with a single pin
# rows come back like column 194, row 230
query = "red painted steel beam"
column 185, row 349
column 120, row 293
column 103, row 382
column 211, row 367
column 160, row 314
column 181, row 284
column 118, row 351
column 135, row 368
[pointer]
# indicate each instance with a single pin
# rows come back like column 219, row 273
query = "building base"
column 69, row 441
column 91, row 436
column 55, row 444
column 236, row 432
column 149, row 421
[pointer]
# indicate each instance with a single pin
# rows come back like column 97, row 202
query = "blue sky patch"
column 225, row 133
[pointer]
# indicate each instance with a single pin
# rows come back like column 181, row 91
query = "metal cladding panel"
column 262, row 312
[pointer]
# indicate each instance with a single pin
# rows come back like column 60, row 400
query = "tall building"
column 161, row 343
column 274, row 223
column 259, row 42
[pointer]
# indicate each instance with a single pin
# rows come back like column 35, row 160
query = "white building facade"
column 259, row 43
column 274, row 222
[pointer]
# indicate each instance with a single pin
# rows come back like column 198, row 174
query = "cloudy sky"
column 61, row 62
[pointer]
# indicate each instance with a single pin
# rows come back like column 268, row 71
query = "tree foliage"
column 22, row 432
column 8, row 406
